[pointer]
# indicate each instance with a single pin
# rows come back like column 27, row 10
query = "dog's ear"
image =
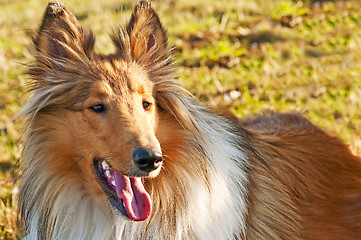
column 144, row 38
column 60, row 35
column 145, row 31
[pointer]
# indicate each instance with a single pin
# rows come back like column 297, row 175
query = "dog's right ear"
column 144, row 39
column 60, row 36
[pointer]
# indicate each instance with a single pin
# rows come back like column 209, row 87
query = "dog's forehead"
column 126, row 77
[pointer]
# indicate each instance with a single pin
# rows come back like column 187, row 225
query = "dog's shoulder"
column 279, row 124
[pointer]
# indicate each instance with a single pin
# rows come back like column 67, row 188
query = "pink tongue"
column 136, row 200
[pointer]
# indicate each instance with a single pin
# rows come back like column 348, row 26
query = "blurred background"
column 246, row 57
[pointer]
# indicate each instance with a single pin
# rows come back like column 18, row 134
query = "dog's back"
column 306, row 182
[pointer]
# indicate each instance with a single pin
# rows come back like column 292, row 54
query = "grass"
column 248, row 57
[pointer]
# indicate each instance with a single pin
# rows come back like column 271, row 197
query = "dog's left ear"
column 144, row 39
column 60, row 35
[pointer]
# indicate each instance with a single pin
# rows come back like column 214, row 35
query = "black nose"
column 146, row 160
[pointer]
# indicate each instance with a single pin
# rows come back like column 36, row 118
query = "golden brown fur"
column 272, row 177
column 308, row 181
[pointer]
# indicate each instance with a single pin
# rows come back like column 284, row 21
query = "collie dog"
column 116, row 149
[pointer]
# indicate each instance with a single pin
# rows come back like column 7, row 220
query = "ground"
column 245, row 57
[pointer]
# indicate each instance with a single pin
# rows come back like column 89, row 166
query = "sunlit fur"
column 275, row 177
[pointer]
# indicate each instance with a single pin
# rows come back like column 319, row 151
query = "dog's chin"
column 126, row 193
column 154, row 173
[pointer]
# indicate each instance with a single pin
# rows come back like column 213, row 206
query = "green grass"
column 248, row 57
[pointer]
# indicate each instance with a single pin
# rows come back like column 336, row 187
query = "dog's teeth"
column 105, row 165
column 113, row 183
column 107, row 173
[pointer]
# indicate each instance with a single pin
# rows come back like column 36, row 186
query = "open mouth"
column 127, row 194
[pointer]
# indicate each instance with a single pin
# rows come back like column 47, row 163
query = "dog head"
column 98, row 115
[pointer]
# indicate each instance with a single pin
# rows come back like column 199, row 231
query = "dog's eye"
column 146, row 105
column 99, row 108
